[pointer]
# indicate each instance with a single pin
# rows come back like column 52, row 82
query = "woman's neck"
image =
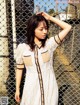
column 37, row 42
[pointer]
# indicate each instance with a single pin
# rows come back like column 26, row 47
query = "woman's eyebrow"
column 43, row 26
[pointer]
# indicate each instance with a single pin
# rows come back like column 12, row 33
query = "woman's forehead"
column 42, row 24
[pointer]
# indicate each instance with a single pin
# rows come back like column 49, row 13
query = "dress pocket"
column 45, row 56
column 27, row 60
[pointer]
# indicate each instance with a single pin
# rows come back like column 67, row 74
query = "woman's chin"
column 43, row 37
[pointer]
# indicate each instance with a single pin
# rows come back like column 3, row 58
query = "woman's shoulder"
column 50, row 39
column 23, row 45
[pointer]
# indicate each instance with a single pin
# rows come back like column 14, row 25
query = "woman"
column 40, row 86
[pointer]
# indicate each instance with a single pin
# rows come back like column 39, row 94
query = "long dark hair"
column 32, row 24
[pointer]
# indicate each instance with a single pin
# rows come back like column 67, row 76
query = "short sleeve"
column 52, row 43
column 19, row 57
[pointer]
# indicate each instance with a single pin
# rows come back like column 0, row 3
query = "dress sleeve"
column 19, row 57
column 52, row 43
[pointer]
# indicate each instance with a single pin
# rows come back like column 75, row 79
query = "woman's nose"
column 45, row 31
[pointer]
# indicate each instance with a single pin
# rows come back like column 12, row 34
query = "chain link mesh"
column 13, row 23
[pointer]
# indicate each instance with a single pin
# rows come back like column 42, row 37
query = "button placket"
column 39, row 75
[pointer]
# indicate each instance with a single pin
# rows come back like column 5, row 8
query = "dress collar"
column 38, row 45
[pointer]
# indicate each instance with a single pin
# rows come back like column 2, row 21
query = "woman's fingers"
column 39, row 13
column 17, row 98
column 45, row 15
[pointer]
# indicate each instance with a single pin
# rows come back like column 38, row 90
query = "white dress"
column 40, row 86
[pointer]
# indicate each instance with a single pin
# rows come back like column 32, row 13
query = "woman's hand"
column 45, row 15
column 17, row 96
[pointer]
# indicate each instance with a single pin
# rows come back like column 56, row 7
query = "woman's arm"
column 18, row 78
column 18, row 81
column 65, row 26
column 19, row 70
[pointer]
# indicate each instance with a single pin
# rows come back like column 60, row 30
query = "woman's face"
column 41, row 31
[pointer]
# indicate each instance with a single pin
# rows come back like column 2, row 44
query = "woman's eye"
column 46, row 28
column 41, row 29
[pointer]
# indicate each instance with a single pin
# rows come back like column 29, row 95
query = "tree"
column 51, row 12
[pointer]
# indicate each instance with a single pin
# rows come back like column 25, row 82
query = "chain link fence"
column 13, row 23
